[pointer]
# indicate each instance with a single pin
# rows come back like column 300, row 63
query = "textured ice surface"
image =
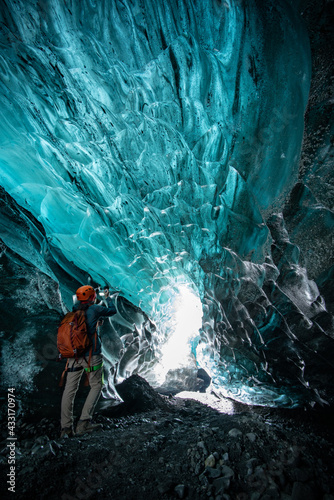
column 152, row 145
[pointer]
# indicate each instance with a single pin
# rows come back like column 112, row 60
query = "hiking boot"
column 67, row 432
column 85, row 426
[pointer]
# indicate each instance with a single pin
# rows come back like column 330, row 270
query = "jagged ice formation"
column 155, row 146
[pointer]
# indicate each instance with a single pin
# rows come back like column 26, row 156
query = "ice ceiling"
column 155, row 146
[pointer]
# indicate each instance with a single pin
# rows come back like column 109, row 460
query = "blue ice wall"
column 154, row 142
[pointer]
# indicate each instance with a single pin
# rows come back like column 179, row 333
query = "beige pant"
column 72, row 385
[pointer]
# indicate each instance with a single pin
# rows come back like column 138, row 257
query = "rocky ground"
column 180, row 449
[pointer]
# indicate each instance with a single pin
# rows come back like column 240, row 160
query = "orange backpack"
column 72, row 338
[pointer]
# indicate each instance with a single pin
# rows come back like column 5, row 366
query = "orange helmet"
column 85, row 293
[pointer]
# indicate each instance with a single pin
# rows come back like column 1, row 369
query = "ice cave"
column 180, row 152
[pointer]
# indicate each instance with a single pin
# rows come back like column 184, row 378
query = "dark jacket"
column 93, row 314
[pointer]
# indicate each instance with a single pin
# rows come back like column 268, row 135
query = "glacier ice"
column 153, row 146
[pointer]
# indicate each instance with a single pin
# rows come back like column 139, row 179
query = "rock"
column 164, row 487
column 204, row 480
column 250, row 464
column 202, row 446
column 235, row 452
column 235, row 433
column 251, row 436
column 227, row 472
column 213, row 473
column 180, row 490
column 221, row 484
column 138, row 395
column 210, row 461
column 178, row 421
column 197, row 469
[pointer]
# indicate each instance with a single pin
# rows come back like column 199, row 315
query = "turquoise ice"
column 154, row 145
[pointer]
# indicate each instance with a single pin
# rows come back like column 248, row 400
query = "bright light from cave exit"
column 186, row 320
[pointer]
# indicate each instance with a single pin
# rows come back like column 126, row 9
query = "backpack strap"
column 62, row 378
column 93, row 368
column 84, row 308
column 75, row 368
column 88, row 369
